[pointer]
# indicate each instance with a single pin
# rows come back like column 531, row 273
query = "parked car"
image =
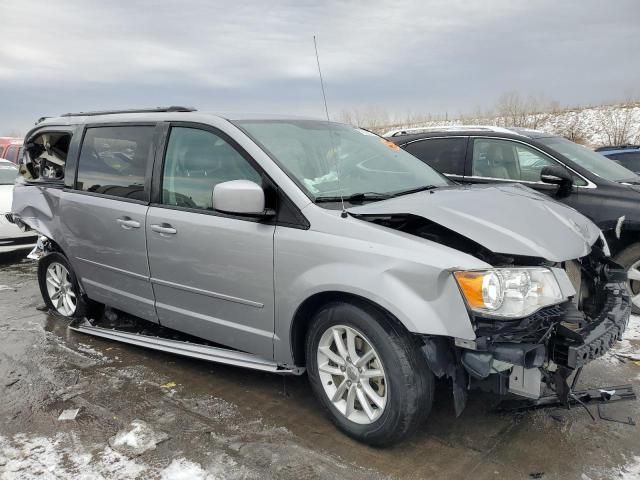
column 12, row 238
column 296, row 244
column 604, row 191
column 626, row 155
column 10, row 148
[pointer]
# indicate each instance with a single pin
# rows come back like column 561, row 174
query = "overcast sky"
column 420, row 56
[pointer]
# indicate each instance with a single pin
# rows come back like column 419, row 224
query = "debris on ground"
column 168, row 385
column 137, row 439
column 72, row 391
column 12, row 379
column 69, row 414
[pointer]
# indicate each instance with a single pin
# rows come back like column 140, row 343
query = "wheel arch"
column 311, row 305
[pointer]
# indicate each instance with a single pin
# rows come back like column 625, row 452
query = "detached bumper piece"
column 596, row 396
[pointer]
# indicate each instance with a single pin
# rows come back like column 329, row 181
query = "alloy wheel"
column 634, row 283
column 60, row 289
column 352, row 374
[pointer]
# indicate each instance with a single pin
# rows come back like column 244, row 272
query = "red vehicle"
column 11, row 149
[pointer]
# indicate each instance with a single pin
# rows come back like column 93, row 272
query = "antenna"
column 326, row 111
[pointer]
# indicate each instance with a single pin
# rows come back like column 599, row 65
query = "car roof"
column 408, row 134
column 158, row 114
column 619, row 151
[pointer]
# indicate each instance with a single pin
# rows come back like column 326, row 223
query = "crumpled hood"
column 510, row 219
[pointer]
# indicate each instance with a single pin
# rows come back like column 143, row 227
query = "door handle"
column 164, row 228
column 127, row 223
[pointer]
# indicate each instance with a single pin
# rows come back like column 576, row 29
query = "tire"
column 54, row 267
column 405, row 391
column 629, row 259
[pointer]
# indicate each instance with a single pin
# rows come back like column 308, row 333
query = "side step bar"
column 188, row 349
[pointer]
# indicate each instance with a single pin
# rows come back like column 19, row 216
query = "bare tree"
column 511, row 110
column 372, row 117
column 618, row 125
column 574, row 128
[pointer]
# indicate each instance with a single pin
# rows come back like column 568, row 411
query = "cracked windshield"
column 329, row 160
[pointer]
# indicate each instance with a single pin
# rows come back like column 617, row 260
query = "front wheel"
column 59, row 286
column 368, row 373
column 629, row 259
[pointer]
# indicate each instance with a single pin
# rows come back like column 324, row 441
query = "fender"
column 423, row 300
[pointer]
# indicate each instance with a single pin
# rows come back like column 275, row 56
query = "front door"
column 104, row 217
column 496, row 160
column 212, row 273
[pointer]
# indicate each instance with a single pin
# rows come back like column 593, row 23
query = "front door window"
column 195, row 162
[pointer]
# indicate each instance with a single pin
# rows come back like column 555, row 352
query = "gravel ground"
column 144, row 414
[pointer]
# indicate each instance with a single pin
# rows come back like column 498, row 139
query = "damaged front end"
column 521, row 356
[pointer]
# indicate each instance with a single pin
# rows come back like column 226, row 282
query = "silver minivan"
column 292, row 245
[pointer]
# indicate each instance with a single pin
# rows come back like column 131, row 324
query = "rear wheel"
column 368, row 373
column 629, row 259
column 59, row 286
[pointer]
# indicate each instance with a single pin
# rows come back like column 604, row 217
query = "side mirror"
column 240, row 197
column 556, row 175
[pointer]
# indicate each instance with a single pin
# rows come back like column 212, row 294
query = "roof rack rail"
column 446, row 128
column 134, row 110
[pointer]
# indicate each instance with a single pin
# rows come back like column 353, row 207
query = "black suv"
column 626, row 155
column 601, row 189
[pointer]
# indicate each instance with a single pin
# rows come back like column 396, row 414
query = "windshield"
column 628, row 160
column 590, row 160
column 8, row 174
column 330, row 159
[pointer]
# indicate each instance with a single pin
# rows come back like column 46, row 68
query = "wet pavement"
column 199, row 420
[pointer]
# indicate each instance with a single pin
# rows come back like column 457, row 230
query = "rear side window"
column 195, row 162
column 113, row 161
column 446, row 155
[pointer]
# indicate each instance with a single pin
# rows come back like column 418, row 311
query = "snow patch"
column 41, row 458
column 633, row 329
column 629, row 346
column 592, row 125
column 84, row 348
column 631, row 471
column 182, row 469
column 139, row 438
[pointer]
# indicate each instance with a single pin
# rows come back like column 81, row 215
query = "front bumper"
column 566, row 348
column 561, row 334
column 519, row 356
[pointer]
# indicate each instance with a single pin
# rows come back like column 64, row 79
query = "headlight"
column 509, row 292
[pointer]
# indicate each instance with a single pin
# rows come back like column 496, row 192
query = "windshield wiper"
column 354, row 197
column 373, row 196
column 413, row 190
